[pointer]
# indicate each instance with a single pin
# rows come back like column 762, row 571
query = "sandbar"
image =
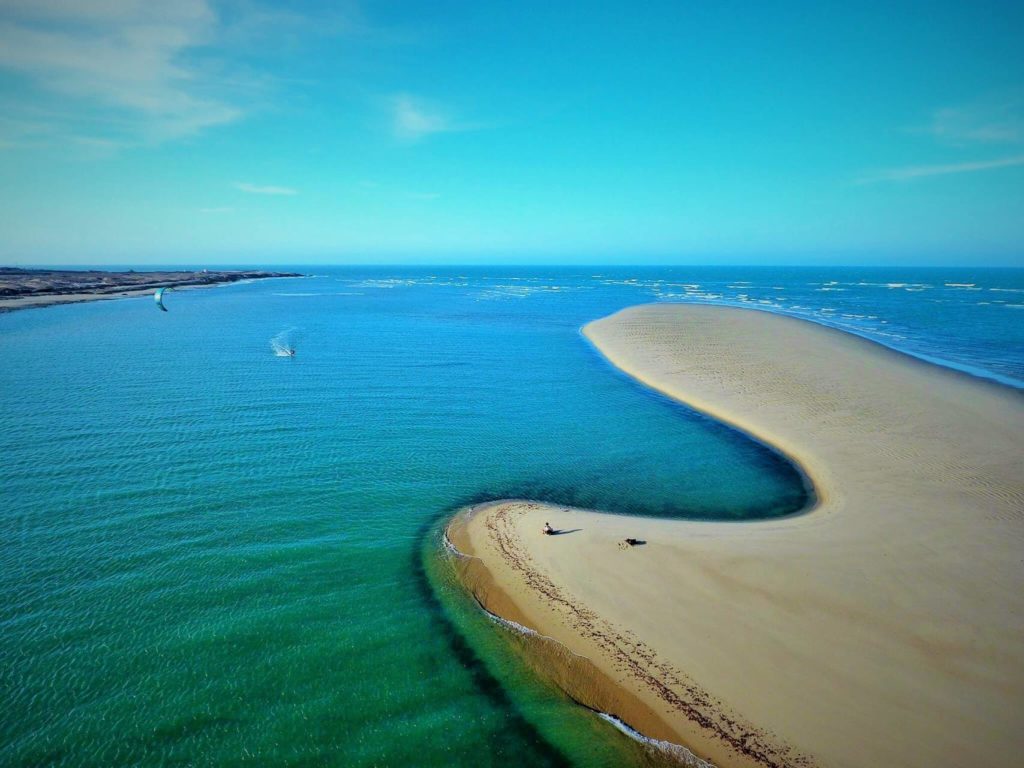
column 884, row 625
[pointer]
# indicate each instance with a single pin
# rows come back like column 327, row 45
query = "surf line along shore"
column 883, row 626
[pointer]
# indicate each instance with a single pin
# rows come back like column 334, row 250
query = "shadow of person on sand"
column 558, row 532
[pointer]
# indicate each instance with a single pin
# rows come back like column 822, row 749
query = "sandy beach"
column 34, row 288
column 882, row 626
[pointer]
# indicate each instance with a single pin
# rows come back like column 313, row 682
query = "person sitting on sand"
column 547, row 529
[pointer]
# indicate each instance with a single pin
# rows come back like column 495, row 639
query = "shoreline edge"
column 709, row 359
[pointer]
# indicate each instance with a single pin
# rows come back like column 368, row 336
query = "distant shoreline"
column 35, row 288
column 882, row 626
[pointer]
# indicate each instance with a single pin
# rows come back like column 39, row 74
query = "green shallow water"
column 214, row 556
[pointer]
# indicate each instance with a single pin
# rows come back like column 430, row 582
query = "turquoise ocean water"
column 215, row 556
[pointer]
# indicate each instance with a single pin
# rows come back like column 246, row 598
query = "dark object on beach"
column 547, row 530
column 632, row 543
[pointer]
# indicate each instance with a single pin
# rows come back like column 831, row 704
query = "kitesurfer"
column 158, row 297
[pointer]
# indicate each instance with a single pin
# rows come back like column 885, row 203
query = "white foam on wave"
column 514, row 625
column 677, row 751
column 669, row 296
column 518, row 291
column 908, row 286
column 518, row 628
column 390, row 282
column 452, row 549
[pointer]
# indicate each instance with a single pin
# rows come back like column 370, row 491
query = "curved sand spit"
column 883, row 627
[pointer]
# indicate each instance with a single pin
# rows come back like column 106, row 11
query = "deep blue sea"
column 213, row 555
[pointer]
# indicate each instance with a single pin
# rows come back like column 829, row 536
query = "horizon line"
column 226, row 266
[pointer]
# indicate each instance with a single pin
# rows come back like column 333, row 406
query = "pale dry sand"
column 885, row 626
column 34, row 288
column 48, row 300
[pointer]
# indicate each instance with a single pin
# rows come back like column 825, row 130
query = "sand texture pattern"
column 883, row 626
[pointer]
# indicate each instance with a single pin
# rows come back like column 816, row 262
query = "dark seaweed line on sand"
column 641, row 662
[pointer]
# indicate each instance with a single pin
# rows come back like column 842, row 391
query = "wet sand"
column 884, row 626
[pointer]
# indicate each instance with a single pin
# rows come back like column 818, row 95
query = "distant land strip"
column 26, row 288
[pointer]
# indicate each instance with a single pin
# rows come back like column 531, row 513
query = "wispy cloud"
column 413, row 119
column 995, row 119
column 918, row 171
column 129, row 58
column 263, row 189
column 18, row 134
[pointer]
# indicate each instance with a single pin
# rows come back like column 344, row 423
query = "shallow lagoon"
column 216, row 555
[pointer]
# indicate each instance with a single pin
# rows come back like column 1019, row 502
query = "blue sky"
column 398, row 132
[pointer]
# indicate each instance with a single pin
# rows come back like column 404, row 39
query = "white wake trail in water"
column 283, row 343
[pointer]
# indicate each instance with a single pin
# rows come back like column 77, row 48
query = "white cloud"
column 261, row 189
column 413, row 118
column 18, row 134
column 918, row 171
column 129, row 58
column 996, row 119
